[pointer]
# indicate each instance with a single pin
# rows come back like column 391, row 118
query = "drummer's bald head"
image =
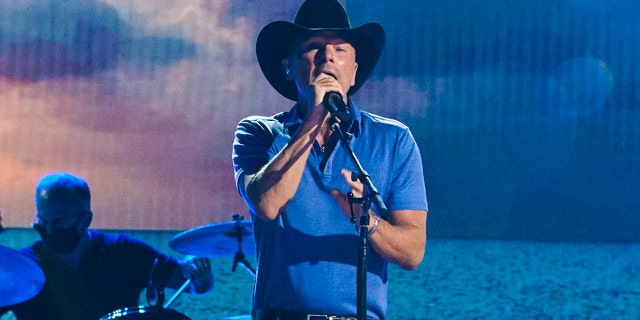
column 64, row 189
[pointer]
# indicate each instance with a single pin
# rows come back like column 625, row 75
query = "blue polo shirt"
column 307, row 257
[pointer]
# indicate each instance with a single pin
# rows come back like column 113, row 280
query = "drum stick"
column 175, row 295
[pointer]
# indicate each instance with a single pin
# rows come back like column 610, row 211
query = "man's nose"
column 326, row 53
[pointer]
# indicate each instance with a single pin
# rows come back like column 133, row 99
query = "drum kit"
column 22, row 279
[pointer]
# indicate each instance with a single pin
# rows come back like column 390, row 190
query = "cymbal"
column 20, row 277
column 216, row 240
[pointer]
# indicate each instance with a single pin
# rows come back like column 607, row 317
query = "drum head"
column 145, row 313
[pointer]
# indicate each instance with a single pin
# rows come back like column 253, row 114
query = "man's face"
column 325, row 54
column 60, row 224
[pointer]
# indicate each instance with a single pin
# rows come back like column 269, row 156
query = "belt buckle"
column 323, row 317
column 327, row 317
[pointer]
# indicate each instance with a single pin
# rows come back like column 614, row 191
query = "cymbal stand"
column 239, row 256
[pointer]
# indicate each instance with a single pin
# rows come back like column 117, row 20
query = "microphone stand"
column 370, row 195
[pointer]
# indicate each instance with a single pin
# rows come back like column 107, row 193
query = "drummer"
column 90, row 273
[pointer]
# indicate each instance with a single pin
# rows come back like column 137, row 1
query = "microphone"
column 334, row 104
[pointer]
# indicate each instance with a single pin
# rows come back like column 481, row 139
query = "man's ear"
column 286, row 66
column 86, row 219
column 355, row 73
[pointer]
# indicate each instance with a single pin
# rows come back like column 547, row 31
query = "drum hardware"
column 155, row 288
column 20, row 277
column 158, row 309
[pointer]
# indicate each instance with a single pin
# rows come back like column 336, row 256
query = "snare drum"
column 145, row 313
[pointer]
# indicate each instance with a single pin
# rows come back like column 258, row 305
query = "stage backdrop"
column 527, row 113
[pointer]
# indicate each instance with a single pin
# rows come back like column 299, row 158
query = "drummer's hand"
column 199, row 271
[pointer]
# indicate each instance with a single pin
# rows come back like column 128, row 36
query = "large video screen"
column 527, row 115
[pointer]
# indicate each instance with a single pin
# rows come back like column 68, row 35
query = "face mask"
column 59, row 241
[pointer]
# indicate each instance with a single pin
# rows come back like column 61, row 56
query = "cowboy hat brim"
column 275, row 39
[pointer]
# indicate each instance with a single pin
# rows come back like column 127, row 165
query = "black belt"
column 284, row 315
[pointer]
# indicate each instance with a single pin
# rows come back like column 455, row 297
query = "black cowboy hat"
column 314, row 16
